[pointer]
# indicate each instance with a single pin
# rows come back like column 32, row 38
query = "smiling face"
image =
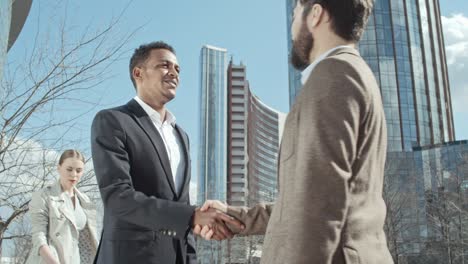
column 157, row 78
column 70, row 171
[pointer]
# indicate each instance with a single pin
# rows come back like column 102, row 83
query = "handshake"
column 211, row 221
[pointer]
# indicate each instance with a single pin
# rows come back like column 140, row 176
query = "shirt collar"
column 306, row 73
column 154, row 115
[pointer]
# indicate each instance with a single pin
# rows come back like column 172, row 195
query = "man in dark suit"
column 142, row 164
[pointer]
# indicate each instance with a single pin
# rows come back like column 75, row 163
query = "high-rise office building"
column 212, row 151
column 265, row 128
column 254, row 132
column 426, row 193
column 293, row 74
column 403, row 44
column 5, row 17
column 239, row 129
column 13, row 15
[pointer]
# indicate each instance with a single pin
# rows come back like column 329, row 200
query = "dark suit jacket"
column 331, row 167
column 145, row 220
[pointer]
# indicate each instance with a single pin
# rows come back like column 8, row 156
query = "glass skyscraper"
column 212, row 149
column 426, row 193
column 293, row 74
column 13, row 15
column 403, row 44
column 212, row 152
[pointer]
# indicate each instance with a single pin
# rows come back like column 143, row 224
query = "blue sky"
column 253, row 31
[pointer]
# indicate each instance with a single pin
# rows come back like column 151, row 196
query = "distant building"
column 254, row 133
column 212, row 152
column 13, row 14
column 239, row 143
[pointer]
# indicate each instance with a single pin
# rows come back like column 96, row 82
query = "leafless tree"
column 447, row 211
column 400, row 198
column 55, row 76
column 254, row 248
column 22, row 244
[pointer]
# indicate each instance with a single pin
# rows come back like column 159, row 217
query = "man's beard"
column 301, row 48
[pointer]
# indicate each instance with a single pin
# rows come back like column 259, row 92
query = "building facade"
column 251, row 134
column 13, row 14
column 403, row 44
column 265, row 128
column 294, row 76
column 254, row 134
column 212, row 152
column 5, row 20
column 426, row 191
column 212, row 149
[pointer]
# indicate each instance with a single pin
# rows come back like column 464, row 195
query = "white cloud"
column 455, row 28
column 456, row 53
column 27, row 164
column 456, row 45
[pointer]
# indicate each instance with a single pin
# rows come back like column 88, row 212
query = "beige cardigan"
column 53, row 225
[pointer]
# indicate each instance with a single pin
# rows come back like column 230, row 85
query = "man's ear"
column 316, row 16
column 136, row 72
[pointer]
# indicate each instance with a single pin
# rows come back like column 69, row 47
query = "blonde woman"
column 63, row 219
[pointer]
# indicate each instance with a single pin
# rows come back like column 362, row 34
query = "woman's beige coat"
column 53, row 224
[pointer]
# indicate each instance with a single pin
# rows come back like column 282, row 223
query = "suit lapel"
column 144, row 121
column 66, row 211
column 185, row 144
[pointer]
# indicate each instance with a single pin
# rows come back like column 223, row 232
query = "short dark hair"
column 349, row 17
column 141, row 54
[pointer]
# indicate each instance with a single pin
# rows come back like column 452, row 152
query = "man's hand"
column 218, row 205
column 206, row 231
column 214, row 224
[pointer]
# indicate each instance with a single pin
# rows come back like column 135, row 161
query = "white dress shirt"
column 306, row 73
column 172, row 141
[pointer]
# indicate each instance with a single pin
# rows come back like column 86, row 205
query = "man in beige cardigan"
column 331, row 161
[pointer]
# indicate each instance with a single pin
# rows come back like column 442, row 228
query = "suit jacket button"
column 169, row 233
column 57, row 234
column 174, row 233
